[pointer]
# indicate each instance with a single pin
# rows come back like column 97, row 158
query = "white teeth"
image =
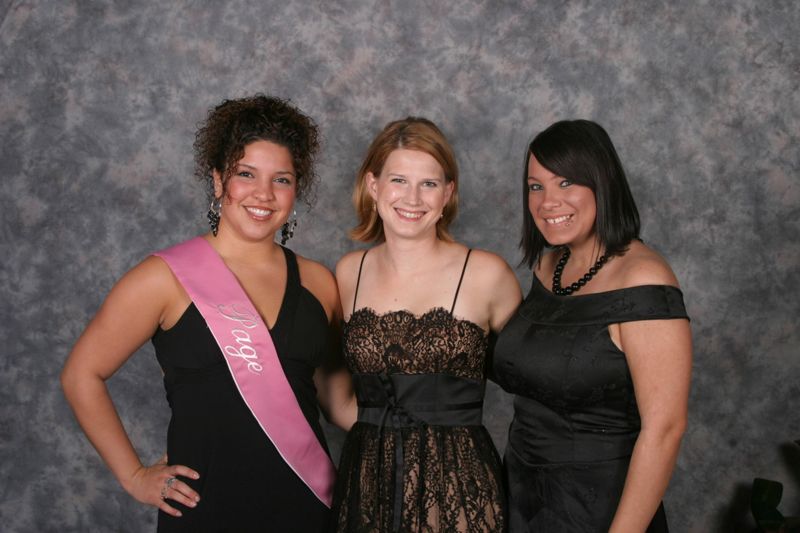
column 409, row 214
column 259, row 212
column 558, row 220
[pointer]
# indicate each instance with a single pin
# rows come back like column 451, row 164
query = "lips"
column 409, row 215
column 259, row 212
column 558, row 220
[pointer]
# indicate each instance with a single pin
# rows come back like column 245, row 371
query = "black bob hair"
column 581, row 151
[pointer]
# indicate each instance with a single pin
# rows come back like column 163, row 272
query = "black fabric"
column 244, row 483
column 575, row 415
column 416, row 477
column 409, row 400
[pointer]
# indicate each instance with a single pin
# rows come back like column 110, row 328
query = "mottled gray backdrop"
column 99, row 101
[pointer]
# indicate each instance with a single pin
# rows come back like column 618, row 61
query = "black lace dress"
column 418, row 459
column 575, row 415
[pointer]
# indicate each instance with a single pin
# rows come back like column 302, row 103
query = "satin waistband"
column 397, row 401
column 413, row 400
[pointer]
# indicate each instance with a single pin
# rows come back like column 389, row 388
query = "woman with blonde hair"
column 418, row 309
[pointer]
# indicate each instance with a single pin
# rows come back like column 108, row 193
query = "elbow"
column 667, row 432
column 76, row 379
column 347, row 415
column 68, row 381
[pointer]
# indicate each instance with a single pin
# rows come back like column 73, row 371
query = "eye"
column 534, row 187
column 283, row 180
column 244, row 174
column 398, row 180
column 430, row 183
column 564, row 184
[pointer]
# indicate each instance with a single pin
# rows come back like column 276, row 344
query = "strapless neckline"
column 435, row 312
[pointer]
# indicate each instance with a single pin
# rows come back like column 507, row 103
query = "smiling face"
column 260, row 193
column 410, row 193
column 563, row 212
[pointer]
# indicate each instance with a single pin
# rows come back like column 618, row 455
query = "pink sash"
column 247, row 346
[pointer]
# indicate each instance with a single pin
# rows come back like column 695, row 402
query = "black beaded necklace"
column 575, row 287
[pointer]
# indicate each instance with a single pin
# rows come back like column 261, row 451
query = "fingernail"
column 197, row 498
column 178, row 513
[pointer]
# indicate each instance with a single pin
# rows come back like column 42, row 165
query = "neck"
column 405, row 255
column 584, row 255
column 252, row 253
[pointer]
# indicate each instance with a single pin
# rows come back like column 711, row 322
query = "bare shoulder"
column 641, row 265
column 320, row 281
column 149, row 290
column 491, row 272
column 489, row 266
column 347, row 266
column 497, row 285
column 153, row 276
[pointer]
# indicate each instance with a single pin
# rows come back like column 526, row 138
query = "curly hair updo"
column 233, row 124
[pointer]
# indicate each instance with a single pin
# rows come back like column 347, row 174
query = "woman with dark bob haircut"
column 598, row 354
column 419, row 309
column 242, row 328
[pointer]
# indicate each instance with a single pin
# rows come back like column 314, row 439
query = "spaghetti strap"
column 358, row 280
column 464, row 269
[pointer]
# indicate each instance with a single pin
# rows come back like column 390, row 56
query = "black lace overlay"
column 448, row 476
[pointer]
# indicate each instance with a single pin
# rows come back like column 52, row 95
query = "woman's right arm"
column 130, row 314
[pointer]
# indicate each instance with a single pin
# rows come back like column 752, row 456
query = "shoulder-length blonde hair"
column 411, row 133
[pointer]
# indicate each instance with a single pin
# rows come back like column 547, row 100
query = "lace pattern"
column 452, row 474
column 400, row 342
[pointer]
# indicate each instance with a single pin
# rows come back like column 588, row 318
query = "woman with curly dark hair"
column 242, row 328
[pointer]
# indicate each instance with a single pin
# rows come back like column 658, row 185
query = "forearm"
column 340, row 407
column 345, row 414
column 95, row 412
column 652, row 463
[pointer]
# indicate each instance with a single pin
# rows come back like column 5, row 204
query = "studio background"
column 99, row 101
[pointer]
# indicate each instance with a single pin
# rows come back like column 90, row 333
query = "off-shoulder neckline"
column 537, row 281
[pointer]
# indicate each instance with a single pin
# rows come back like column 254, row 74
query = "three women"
column 601, row 377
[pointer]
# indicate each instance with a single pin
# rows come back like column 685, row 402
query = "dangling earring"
column 287, row 230
column 213, row 215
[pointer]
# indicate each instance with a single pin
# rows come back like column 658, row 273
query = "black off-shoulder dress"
column 575, row 415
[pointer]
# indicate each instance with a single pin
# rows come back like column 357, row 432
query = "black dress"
column 244, row 483
column 575, row 415
column 418, row 459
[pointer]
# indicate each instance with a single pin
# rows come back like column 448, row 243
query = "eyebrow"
column 256, row 168
column 398, row 175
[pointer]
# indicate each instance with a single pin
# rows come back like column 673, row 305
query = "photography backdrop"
column 99, row 101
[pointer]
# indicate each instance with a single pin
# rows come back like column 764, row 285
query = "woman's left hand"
column 156, row 484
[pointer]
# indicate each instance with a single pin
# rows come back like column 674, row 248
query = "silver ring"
column 169, row 481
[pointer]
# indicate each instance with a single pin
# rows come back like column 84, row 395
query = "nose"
column 551, row 197
column 264, row 190
column 412, row 196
